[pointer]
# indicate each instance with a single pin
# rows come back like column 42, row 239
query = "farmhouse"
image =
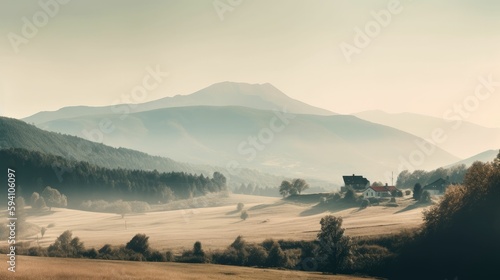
column 437, row 187
column 358, row 183
column 379, row 191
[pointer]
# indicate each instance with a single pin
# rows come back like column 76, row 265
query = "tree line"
column 331, row 252
column 454, row 174
column 81, row 180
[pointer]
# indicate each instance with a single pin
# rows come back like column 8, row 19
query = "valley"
column 217, row 227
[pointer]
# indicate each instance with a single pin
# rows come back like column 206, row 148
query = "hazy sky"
column 426, row 59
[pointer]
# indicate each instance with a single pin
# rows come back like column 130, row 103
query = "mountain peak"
column 234, row 88
column 257, row 96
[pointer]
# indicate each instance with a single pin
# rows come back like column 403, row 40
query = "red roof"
column 384, row 188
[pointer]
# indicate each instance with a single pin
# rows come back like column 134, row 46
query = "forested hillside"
column 80, row 180
column 18, row 134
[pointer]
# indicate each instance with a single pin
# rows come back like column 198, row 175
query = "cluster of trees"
column 67, row 246
column 82, row 181
column 267, row 254
column 455, row 174
column 50, row 198
column 296, row 186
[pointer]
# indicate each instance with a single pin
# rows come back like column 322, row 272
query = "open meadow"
column 217, row 227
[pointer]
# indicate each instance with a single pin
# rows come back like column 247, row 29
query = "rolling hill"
column 217, row 227
column 299, row 145
column 464, row 140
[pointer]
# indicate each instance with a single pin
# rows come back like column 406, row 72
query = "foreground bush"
column 66, row 246
column 335, row 248
column 139, row 244
column 196, row 255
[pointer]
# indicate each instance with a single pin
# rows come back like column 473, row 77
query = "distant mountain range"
column 257, row 96
column 304, row 142
column 462, row 139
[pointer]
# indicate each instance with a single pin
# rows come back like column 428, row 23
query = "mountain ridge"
column 486, row 156
column 258, row 96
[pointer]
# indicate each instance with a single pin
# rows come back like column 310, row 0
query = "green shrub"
column 350, row 196
column 229, row 256
column 139, row 243
column 276, row 257
column 91, row 253
column 169, row 256
column 371, row 260
column 425, row 197
column 293, row 258
column 240, row 206
column 257, row 255
column 268, row 244
column 196, row 255
column 156, row 256
column 364, row 203
column 66, row 246
column 37, row 252
column 244, row 215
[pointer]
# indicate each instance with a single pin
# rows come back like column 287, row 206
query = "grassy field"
column 217, row 227
column 38, row 268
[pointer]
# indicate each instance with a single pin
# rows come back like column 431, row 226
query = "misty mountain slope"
column 66, row 112
column 324, row 147
column 18, row 134
column 463, row 139
column 257, row 96
column 486, row 156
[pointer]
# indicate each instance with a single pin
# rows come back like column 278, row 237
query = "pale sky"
column 91, row 52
